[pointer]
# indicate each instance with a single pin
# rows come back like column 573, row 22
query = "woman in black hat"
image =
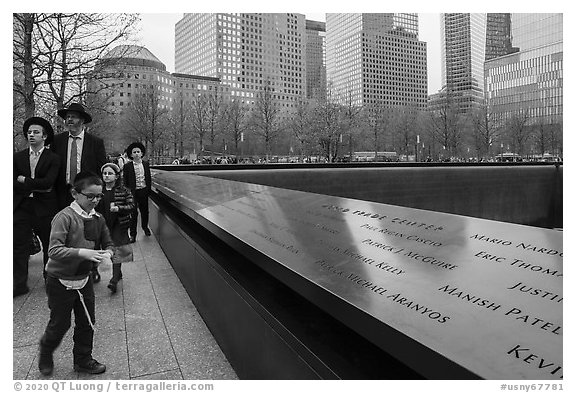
column 138, row 179
column 35, row 201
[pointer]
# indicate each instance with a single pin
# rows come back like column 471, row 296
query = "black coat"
column 42, row 186
column 93, row 157
column 130, row 176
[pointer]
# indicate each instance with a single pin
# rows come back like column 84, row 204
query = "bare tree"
column 146, row 119
column 546, row 137
column 23, row 59
column 55, row 54
column 265, row 117
column 444, row 126
column 519, row 132
column 406, row 130
column 235, row 120
column 72, row 44
column 199, row 120
column 107, row 123
column 486, row 130
column 351, row 118
column 180, row 119
column 556, row 138
column 378, row 122
column 326, row 124
column 214, row 117
column 299, row 123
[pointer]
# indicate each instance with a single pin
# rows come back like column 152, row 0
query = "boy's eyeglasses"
column 93, row 196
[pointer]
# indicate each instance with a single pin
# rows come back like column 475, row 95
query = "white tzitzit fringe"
column 85, row 309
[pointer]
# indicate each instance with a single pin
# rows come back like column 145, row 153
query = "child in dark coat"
column 116, row 206
column 137, row 178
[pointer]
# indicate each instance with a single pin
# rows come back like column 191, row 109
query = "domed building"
column 125, row 78
column 136, row 56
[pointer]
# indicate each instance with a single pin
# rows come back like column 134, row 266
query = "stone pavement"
column 149, row 329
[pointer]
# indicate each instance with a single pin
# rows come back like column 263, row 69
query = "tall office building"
column 529, row 83
column 498, row 36
column 463, row 54
column 376, row 59
column 315, row 59
column 468, row 40
column 246, row 51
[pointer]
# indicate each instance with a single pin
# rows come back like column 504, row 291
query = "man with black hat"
column 79, row 151
column 35, row 200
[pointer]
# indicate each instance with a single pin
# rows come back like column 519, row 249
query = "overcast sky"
column 157, row 35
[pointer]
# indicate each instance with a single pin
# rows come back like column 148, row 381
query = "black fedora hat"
column 75, row 107
column 41, row 122
column 132, row 146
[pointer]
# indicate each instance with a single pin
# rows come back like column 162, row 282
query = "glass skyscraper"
column 463, row 54
column 529, row 83
column 531, row 31
column 468, row 40
column 498, row 36
column 315, row 59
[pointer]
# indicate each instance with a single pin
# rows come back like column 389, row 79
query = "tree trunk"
column 29, row 103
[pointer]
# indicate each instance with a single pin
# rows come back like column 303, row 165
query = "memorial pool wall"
column 272, row 323
column 528, row 194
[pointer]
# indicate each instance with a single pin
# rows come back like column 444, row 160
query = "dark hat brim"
column 132, row 146
column 75, row 108
column 41, row 122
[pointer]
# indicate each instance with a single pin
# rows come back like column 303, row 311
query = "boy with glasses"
column 79, row 151
column 78, row 239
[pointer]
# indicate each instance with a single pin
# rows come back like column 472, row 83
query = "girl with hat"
column 116, row 206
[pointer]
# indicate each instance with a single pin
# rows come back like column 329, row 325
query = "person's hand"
column 21, row 179
column 114, row 209
column 97, row 256
column 107, row 259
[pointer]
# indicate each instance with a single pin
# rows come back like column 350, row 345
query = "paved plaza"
column 149, row 329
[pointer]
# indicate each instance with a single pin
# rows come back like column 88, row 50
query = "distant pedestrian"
column 78, row 151
column 35, row 170
column 138, row 179
column 79, row 238
column 122, row 160
column 116, row 206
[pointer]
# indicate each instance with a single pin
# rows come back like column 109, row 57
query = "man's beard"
column 73, row 127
